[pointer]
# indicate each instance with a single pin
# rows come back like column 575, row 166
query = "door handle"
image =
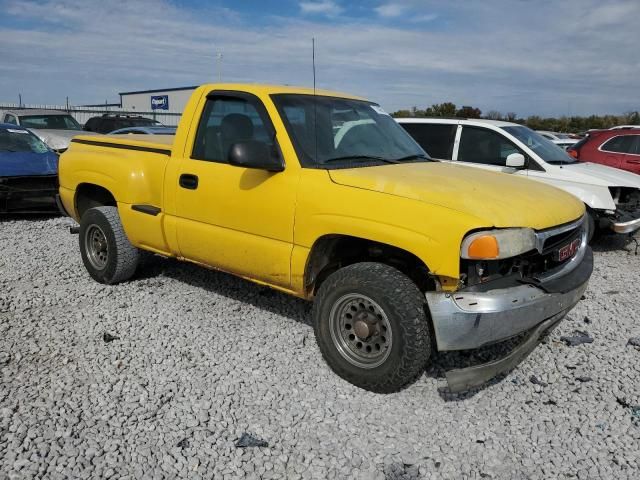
column 188, row 181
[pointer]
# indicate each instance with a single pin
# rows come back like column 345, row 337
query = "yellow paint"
column 262, row 226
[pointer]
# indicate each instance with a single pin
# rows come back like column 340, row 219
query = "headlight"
column 497, row 244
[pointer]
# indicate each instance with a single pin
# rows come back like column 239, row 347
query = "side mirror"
column 515, row 160
column 254, row 154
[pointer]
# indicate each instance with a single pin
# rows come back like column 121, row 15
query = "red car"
column 618, row 148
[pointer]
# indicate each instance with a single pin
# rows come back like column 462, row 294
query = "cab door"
column 485, row 148
column 236, row 219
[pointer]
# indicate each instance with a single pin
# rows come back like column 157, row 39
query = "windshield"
column 545, row 149
column 349, row 133
column 51, row 122
column 16, row 140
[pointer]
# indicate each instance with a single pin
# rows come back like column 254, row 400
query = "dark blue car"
column 28, row 172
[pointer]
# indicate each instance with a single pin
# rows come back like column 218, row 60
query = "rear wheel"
column 371, row 327
column 106, row 251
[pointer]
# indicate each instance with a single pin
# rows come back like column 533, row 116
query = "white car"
column 561, row 139
column 55, row 128
column 612, row 196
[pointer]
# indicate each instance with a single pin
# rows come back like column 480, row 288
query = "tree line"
column 572, row 124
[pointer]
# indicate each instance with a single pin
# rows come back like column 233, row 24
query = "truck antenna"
column 219, row 62
column 315, row 101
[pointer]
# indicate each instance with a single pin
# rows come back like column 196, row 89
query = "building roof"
column 174, row 89
column 100, row 105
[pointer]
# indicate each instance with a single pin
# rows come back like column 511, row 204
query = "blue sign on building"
column 160, row 102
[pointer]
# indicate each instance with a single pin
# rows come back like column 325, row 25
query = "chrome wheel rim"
column 360, row 330
column 95, row 242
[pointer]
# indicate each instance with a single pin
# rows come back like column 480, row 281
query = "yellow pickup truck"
column 323, row 196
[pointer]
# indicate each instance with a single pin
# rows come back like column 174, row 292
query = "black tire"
column 106, row 251
column 402, row 310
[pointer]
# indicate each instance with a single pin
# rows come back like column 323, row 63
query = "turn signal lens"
column 573, row 153
column 484, row 247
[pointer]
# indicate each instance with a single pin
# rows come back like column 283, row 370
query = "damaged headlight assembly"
column 498, row 244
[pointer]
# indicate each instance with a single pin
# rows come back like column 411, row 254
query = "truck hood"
column 594, row 174
column 25, row 164
column 56, row 139
column 497, row 199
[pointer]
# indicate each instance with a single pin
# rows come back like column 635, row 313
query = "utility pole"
column 219, row 62
column 19, row 100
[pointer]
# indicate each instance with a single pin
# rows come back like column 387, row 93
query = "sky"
column 548, row 58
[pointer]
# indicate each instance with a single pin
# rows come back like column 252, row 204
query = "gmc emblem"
column 568, row 250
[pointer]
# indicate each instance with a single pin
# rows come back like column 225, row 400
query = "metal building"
column 161, row 100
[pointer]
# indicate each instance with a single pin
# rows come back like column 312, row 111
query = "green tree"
column 446, row 109
column 403, row 114
column 468, row 112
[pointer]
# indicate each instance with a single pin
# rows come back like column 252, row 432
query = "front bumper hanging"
column 626, row 218
column 463, row 379
column 472, row 319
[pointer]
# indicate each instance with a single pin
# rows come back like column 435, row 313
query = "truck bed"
column 151, row 143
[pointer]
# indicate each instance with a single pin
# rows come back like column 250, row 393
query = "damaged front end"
column 626, row 218
column 528, row 295
column 28, row 194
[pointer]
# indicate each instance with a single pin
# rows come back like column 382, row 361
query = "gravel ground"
column 199, row 358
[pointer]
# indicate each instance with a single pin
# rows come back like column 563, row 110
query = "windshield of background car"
column 15, row 140
column 51, row 122
column 545, row 149
column 331, row 132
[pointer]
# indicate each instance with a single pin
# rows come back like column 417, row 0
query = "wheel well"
column 332, row 252
column 89, row 196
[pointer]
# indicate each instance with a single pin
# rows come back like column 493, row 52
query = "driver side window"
column 10, row 119
column 480, row 145
column 227, row 120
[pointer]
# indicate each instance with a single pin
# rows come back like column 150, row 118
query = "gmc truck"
column 324, row 196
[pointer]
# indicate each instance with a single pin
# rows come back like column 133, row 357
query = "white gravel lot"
column 202, row 357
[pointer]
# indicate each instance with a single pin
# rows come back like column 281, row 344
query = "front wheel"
column 371, row 327
column 106, row 251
